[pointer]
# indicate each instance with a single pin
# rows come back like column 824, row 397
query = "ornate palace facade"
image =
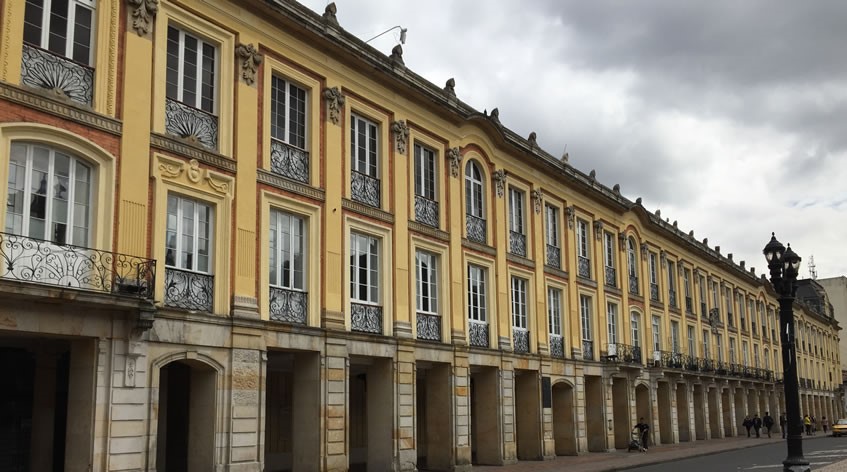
column 238, row 238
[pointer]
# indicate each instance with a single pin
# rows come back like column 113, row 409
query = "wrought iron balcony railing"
column 429, row 326
column 611, row 277
column 365, row 189
column 426, row 211
column 520, row 340
column 554, row 257
column 588, row 350
column 557, row 346
column 517, row 243
column 189, row 290
column 191, row 123
column 289, row 306
column 366, row 318
column 654, row 291
column 619, row 352
column 689, row 305
column 478, row 333
column 66, row 78
column 583, row 268
column 476, row 229
column 289, row 161
column 44, row 262
column 672, row 297
column 706, row 365
column 633, row 284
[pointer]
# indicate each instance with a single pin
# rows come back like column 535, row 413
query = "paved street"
column 819, row 451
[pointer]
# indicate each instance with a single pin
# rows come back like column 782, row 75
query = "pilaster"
column 334, row 143
column 405, row 387
column 336, row 371
column 507, row 386
column 461, row 393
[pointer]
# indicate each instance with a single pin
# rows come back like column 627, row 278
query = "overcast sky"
column 729, row 116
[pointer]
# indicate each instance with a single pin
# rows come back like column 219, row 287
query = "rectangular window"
column 364, row 268
column 288, row 112
column 732, row 350
column 363, row 146
column 554, row 310
column 287, row 250
column 519, row 302
column 516, row 211
column 654, row 268
column 585, row 317
column 188, row 240
column 612, row 322
column 65, row 27
column 692, row 342
column 582, row 239
column 609, row 250
column 706, row 345
column 191, row 70
column 554, row 254
column 715, row 299
column 657, row 334
column 719, row 346
column 702, row 292
column 634, row 325
column 742, row 312
column 675, row 347
column 756, row 356
column 426, row 269
column 476, row 293
column 424, row 172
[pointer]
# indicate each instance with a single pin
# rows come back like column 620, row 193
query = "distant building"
column 836, row 290
column 239, row 238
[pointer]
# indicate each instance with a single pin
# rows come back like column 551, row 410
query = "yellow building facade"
column 239, row 238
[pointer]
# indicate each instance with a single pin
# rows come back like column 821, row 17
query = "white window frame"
column 732, row 357
column 632, row 257
column 652, row 267
column 48, row 198
column 426, row 172
column 719, row 346
column 516, row 211
column 656, row 325
column 70, row 28
column 477, row 300
column 277, row 250
column 585, row 318
column 675, row 345
column 608, row 249
column 612, row 323
column 198, row 92
column 180, row 232
column 692, row 341
column 554, row 311
column 634, row 326
column 671, row 276
column 551, row 214
column 370, row 164
column 426, row 275
column 582, row 248
column 706, row 344
column 474, row 191
column 288, row 89
column 372, row 279
column 519, row 302
column 686, row 282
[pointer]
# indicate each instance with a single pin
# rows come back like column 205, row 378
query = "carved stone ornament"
column 329, row 15
column 680, row 269
column 500, row 181
column 570, row 214
column 495, row 117
column 622, row 239
column 533, row 141
column 397, row 55
column 334, row 102
column 143, row 14
column 598, row 229
column 663, row 256
column 644, row 251
column 537, row 199
column 455, row 158
column 696, row 274
column 250, row 60
column 450, row 88
column 401, row 135
column 194, row 170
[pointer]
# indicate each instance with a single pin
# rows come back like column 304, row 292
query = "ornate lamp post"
column 783, row 264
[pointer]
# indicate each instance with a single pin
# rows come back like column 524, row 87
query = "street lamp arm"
column 402, row 34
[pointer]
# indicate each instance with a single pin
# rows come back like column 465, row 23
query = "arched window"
column 632, row 266
column 49, row 195
column 474, row 207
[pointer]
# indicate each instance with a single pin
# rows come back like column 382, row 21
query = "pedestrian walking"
column 783, row 423
column 824, row 424
column 644, row 428
column 757, row 424
column 807, row 423
column 748, row 423
column 767, row 422
column 814, row 425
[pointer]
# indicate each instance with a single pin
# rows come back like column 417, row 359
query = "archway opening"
column 371, row 414
column 643, row 408
column 528, row 414
column 564, row 429
column 434, row 437
column 620, row 412
column 485, row 414
column 595, row 417
column 727, row 413
column 699, row 412
column 682, row 410
column 663, row 392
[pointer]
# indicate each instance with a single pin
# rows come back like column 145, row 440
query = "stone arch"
column 564, row 414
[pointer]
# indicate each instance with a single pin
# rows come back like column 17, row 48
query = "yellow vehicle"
column 839, row 427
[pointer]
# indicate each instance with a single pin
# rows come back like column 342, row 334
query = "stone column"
column 247, row 381
column 461, row 392
column 405, row 388
column 674, row 413
column 507, row 382
column 336, row 368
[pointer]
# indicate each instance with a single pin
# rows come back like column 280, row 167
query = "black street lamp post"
column 783, row 264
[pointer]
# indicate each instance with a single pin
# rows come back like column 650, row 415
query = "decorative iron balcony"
column 44, row 262
column 588, row 350
column 672, row 297
column 557, row 346
column 611, row 277
column 189, row 290
column 191, row 123
column 520, row 339
column 706, row 365
column 365, row 189
column 478, row 333
column 583, row 268
column 689, row 305
column 289, row 306
column 517, row 243
column 633, row 284
column 289, row 161
column 429, row 326
column 619, row 352
column 426, row 211
column 554, row 257
column 654, row 291
column 476, row 229
column 721, row 368
column 366, row 318
column 66, row 78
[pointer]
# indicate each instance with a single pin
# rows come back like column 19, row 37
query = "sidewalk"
column 620, row 460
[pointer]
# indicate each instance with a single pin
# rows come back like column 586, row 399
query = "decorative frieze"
column 168, row 143
column 63, row 109
column 288, row 185
column 400, row 130
column 334, row 103
column 250, row 58
column 143, row 14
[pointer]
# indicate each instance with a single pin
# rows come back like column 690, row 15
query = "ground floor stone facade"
column 95, row 389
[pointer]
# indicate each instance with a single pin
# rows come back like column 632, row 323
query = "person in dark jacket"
column 757, row 424
column 748, row 423
column 783, row 424
column 644, row 428
column 767, row 422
